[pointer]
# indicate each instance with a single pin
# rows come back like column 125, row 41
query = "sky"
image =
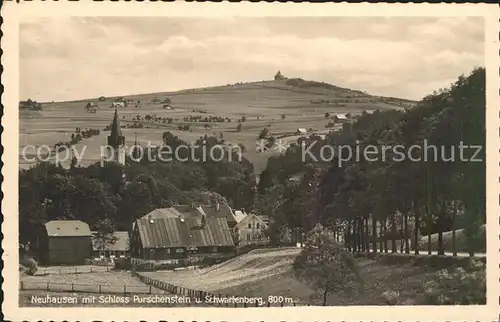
column 85, row 57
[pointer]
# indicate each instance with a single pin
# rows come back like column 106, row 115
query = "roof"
column 243, row 223
column 239, row 215
column 163, row 213
column 342, row 116
column 301, row 129
column 122, row 242
column 67, row 228
column 182, row 232
column 209, row 211
column 116, row 130
column 263, row 218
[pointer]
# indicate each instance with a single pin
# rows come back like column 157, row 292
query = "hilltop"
column 281, row 105
column 286, row 93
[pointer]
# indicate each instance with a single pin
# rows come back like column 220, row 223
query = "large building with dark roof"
column 168, row 233
column 65, row 242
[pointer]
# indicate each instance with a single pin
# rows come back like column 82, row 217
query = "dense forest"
column 420, row 192
column 401, row 197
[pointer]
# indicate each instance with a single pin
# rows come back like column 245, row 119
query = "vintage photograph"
column 242, row 162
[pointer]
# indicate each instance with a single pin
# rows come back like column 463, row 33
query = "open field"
column 269, row 272
column 267, row 101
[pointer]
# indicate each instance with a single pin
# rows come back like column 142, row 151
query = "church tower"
column 116, row 141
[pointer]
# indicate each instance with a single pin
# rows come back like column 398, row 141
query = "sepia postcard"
column 250, row 161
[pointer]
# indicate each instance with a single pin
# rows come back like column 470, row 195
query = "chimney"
column 243, row 210
column 203, row 222
column 217, row 206
column 150, row 219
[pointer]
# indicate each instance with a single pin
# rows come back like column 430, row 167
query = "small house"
column 251, row 230
column 342, row 118
column 301, row 131
column 118, row 105
column 117, row 245
column 65, row 242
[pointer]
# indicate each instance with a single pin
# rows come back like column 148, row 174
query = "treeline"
column 115, row 195
column 373, row 203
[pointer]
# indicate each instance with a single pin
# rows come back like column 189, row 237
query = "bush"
column 458, row 286
column 391, row 297
column 31, row 266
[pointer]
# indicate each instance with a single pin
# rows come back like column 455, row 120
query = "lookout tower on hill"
column 279, row 76
column 116, row 141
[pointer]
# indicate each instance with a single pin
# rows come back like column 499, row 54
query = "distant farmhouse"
column 91, row 107
column 301, row 131
column 341, row 118
column 119, row 104
column 65, row 242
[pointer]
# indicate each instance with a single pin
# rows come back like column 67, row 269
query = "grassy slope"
column 266, row 100
column 270, row 273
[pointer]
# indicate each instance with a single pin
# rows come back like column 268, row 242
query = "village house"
column 65, row 242
column 341, row 118
column 117, row 246
column 251, row 230
column 167, row 233
column 118, row 105
column 301, row 131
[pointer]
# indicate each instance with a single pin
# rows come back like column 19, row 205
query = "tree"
column 104, row 235
column 326, row 264
column 243, row 119
column 327, row 115
column 239, row 127
column 264, row 133
column 283, row 116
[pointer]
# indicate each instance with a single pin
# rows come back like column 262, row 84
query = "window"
column 167, row 250
column 258, row 225
column 250, row 225
column 248, row 237
column 179, row 250
column 214, row 249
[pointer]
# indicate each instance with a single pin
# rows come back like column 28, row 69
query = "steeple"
column 116, row 138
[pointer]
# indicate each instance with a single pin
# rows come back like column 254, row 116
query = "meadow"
column 95, row 282
column 270, row 273
column 274, row 105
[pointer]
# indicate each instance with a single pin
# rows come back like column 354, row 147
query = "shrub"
column 458, row 286
column 391, row 297
column 31, row 266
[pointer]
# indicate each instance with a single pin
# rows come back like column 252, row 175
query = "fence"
column 88, row 288
column 72, row 270
column 201, row 295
